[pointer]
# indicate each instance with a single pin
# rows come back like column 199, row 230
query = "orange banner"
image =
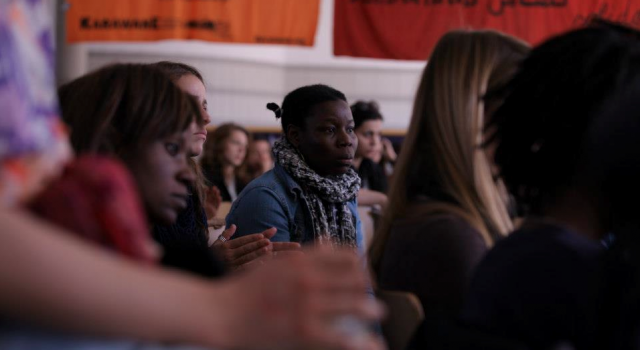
column 408, row 29
column 286, row 22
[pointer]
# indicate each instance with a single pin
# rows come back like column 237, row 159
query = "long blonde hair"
column 442, row 156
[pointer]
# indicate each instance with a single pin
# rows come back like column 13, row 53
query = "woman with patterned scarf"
column 310, row 195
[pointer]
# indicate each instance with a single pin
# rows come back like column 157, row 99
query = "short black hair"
column 561, row 88
column 364, row 111
column 297, row 105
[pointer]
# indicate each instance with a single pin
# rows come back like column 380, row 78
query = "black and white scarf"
column 325, row 196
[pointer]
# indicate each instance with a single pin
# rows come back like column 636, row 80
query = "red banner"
column 409, row 29
column 287, row 22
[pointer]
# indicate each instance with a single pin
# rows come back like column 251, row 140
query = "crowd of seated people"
column 89, row 284
column 111, row 183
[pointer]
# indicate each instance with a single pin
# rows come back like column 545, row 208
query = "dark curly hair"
column 364, row 111
column 562, row 87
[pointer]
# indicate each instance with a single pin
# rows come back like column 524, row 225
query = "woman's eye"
column 330, row 130
column 350, row 130
column 172, row 148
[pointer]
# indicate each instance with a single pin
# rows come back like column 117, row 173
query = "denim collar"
column 288, row 182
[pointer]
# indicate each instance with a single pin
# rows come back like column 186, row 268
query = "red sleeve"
column 96, row 198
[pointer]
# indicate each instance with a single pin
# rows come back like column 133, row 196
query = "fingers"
column 241, row 241
column 228, row 233
column 250, row 248
column 213, row 192
column 215, row 223
column 213, row 200
column 270, row 232
column 340, row 320
column 335, row 259
column 285, row 246
column 356, row 305
column 216, row 197
column 253, row 256
column 287, row 254
column 325, row 335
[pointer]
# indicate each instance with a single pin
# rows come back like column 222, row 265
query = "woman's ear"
column 293, row 135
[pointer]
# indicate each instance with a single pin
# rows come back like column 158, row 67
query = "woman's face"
column 369, row 139
column 260, row 153
column 193, row 86
column 235, row 148
column 328, row 141
column 162, row 173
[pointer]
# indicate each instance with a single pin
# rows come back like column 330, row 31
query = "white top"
column 231, row 187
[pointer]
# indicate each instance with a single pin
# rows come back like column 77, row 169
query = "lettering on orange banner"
column 409, row 29
column 284, row 22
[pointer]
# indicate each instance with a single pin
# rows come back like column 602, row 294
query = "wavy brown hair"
column 442, row 156
column 213, row 153
column 120, row 107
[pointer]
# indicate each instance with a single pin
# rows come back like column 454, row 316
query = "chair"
column 404, row 315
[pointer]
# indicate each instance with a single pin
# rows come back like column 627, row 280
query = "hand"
column 244, row 250
column 388, row 152
column 212, row 202
column 297, row 303
column 216, row 223
column 285, row 249
column 367, row 197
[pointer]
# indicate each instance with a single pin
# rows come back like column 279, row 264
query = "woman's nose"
column 345, row 139
column 186, row 174
column 206, row 117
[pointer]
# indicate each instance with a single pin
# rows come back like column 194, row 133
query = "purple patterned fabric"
column 33, row 141
column 28, row 102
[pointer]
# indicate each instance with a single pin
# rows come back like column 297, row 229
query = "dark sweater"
column 541, row 285
column 433, row 257
column 185, row 243
column 372, row 176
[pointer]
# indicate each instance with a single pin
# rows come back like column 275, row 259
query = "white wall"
column 241, row 78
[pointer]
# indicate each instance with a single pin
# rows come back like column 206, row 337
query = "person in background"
column 386, row 156
column 186, row 242
column 57, row 291
column 224, row 154
column 259, row 159
column 368, row 128
column 552, row 281
column 445, row 208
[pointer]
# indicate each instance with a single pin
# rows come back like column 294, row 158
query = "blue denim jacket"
column 276, row 200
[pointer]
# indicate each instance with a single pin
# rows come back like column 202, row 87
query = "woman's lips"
column 180, row 201
column 346, row 161
column 201, row 134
